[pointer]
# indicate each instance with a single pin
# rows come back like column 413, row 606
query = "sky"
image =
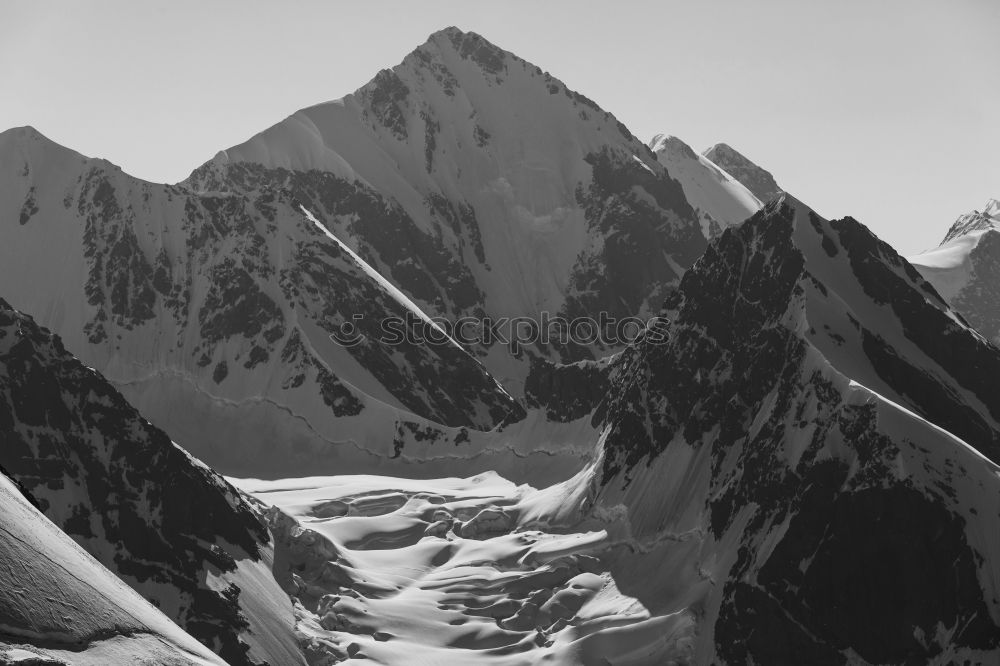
column 883, row 110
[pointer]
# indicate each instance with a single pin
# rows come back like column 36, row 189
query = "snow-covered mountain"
column 479, row 184
column 803, row 452
column 719, row 200
column 777, row 479
column 756, row 179
column 212, row 313
column 965, row 268
column 168, row 526
column 796, row 462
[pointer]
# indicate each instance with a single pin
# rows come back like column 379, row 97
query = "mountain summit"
column 985, row 220
column 965, row 268
column 480, row 184
column 755, row 178
column 719, row 199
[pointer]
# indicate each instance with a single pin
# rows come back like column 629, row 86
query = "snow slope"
column 966, row 266
column 454, row 571
column 719, row 199
column 58, row 605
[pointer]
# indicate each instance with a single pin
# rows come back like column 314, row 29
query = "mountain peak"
column 756, row 179
column 988, row 218
column 662, row 142
column 467, row 45
column 451, row 34
column 719, row 200
column 725, row 152
column 723, row 148
column 448, row 32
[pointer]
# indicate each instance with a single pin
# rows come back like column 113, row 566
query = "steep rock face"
column 785, row 449
column 985, row 220
column 480, row 184
column 965, row 268
column 567, row 392
column 756, row 179
column 58, row 605
column 718, row 198
column 168, row 526
column 213, row 313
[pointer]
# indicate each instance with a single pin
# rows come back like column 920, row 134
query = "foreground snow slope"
column 965, row 268
column 168, row 526
column 58, row 605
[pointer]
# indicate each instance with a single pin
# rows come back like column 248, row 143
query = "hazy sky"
column 886, row 110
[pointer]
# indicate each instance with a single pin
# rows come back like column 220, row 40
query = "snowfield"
column 458, row 571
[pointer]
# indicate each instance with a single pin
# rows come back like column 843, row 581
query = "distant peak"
column 723, row 149
column 454, row 38
column 670, row 143
column 988, row 218
column 755, row 178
